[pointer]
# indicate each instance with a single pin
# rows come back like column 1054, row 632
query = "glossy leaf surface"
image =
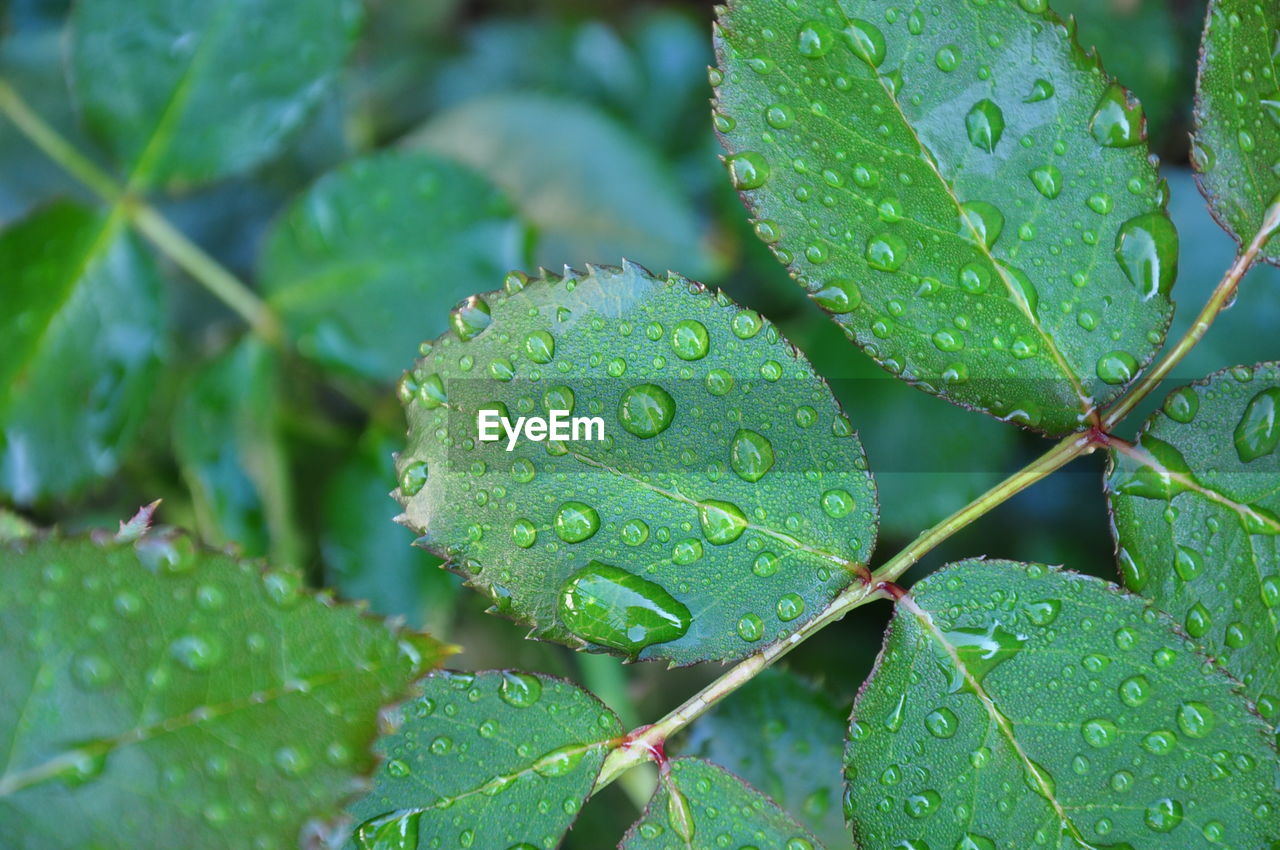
column 1196, row 513
column 726, row 504
column 183, row 91
column 1236, row 145
column 493, row 759
column 546, row 154
column 82, row 324
column 701, row 806
column 963, row 189
column 376, row 235
column 152, row 690
column 1018, row 705
column 782, row 735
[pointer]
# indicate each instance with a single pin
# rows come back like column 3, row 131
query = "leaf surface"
column 153, row 690
column 375, row 235
column 726, row 504
column 782, row 735
column 1196, row 513
column 593, row 190
column 183, row 92
column 492, row 759
column 1236, row 144
column 701, row 806
column 82, row 325
column 962, row 188
column 1020, row 705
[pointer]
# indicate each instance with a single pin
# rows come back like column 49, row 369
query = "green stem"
column 150, row 223
column 1222, row 296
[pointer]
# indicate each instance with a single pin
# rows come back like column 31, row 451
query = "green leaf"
column 1237, row 135
column 966, row 192
column 593, row 191
column 495, row 759
column 378, row 234
column 14, row 526
column 1196, row 514
column 727, row 504
column 82, row 327
column 369, row 557
column 701, row 806
column 227, row 443
column 184, row 92
column 1017, row 704
column 154, row 690
column 782, row 735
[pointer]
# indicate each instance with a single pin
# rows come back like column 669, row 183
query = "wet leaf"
column 82, row 325
column 1236, row 144
column 554, row 158
column 781, row 735
column 1017, row 703
column 726, row 504
column 966, row 192
column 1196, row 515
column 185, row 92
column 701, row 806
column 380, row 233
column 492, row 759
column 155, row 690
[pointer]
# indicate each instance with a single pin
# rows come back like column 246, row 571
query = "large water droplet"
column 576, row 521
column 1117, row 120
column 981, row 220
column 560, row 761
column 886, row 252
column 540, row 346
column 412, row 478
column 980, row 651
column 750, row 455
column 1099, row 732
column 722, row 522
column 815, row 39
column 865, row 40
column 1169, row 476
column 839, row 295
column 646, row 410
column 1047, row 179
column 1022, row 289
column 1116, row 367
column 1147, row 250
column 1041, row 89
column 1182, row 405
column 748, row 170
column 520, row 689
column 390, row 831
column 689, row 340
column 1258, row 432
column 985, row 125
column 607, row 605
column 1195, row 719
column 197, row 653
column 1164, row 815
column 470, row 317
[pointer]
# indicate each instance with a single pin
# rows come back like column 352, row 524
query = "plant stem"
column 190, row 257
column 1222, row 296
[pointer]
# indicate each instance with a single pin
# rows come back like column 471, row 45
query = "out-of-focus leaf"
column 594, row 191
column 1236, row 144
column 153, row 692
column 1017, row 705
column 186, row 91
column 782, row 735
column 81, row 324
column 720, row 503
column 370, row 557
column 1157, row 71
column 701, row 806
column 227, row 442
column 966, row 193
column 360, row 265
column 14, row 527
column 496, row 759
column 1196, row 515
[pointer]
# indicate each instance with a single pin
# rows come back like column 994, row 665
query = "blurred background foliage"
column 460, row 140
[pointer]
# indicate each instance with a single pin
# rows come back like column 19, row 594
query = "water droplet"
column 391, row 831
column 92, row 671
column 718, row 382
column 980, row 651
column 1258, row 432
column 686, row 551
column 922, row 804
column 1040, row 90
column 1044, row 612
column 947, row 58
column 560, row 761
column 1022, row 290
column 790, row 606
column 398, row 768
column 746, row 324
column 750, row 628
column 1047, row 179
column 1164, row 815
column 1182, row 405
column 1187, row 563
column 689, row 340
column 1099, row 732
column 981, row 220
column 751, row 455
column 524, row 533
column 679, row 814
column 839, row 295
column 470, row 317
column 1117, row 120
column 520, row 689
column 634, row 532
column 865, row 40
column 576, row 521
column 1147, row 250
column 646, row 410
column 609, row 606
column 1195, row 719
column 765, row 564
column 540, row 346
column 942, row 723
column 780, row 116
column 413, row 477
column 748, row 170
column 815, row 39
column 985, row 125
column 1117, row 367
column 196, row 653
column 722, row 522
column 886, row 252
column 970, row 841
column 1100, row 202
column 837, row 503
column 1170, row 475
column 1160, row 743
column 1135, row 690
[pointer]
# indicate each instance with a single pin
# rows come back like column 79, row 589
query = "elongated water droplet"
column 980, row 651
column 1147, row 250
column 985, row 125
column 560, row 761
column 1117, row 120
column 982, row 221
column 1169, row 475
column 1258, row 432
column 607, row 605
column 866, row 41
